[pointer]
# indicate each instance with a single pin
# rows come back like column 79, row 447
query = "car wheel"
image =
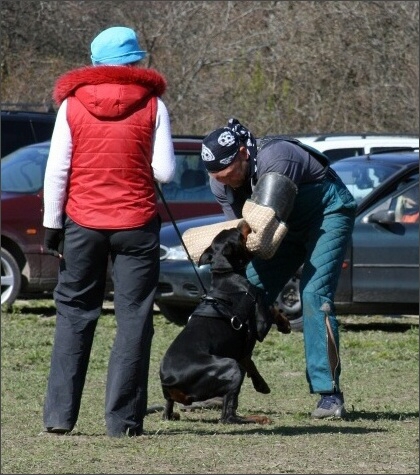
column 175, row 314
column 289, row 302
column 10, row 278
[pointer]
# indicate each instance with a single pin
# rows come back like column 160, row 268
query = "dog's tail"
column 154, row 408
column 252, row 372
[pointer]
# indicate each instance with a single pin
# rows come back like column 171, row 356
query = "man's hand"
column 54, row 242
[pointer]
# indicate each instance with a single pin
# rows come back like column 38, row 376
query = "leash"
column 165, row 204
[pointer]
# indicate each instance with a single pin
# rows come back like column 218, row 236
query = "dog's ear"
column 217, row 248
column 206, row 257
column 263, row 317
column 227, row 251
column 221, row 258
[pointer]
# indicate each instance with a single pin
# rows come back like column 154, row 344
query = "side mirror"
column 383, row 216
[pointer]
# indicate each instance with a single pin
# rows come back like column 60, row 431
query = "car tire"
column 10, row 278
column 289, row 302
column 175, row 314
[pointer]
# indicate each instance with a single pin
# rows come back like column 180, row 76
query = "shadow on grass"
column 352, row 416
column 269, row 430
column 49, row 311
column 341, row 426
column 391, row 327
column 272, row 429
column 381, row 416
column 43, row 311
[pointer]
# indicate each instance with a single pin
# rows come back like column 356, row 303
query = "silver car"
column 381, row 269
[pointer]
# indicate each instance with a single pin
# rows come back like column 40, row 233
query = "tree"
column 278, row 66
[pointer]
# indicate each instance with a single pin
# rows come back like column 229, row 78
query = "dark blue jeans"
column 79, row 297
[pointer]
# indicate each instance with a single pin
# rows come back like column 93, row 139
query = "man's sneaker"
column 330, row 406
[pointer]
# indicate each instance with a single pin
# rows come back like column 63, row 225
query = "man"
column 301, row 214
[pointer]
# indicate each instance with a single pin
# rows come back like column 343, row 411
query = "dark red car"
column 24, row 266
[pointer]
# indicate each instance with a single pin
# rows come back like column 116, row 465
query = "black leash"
column 165, row 204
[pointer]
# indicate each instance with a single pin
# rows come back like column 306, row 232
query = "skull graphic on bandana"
column 226, row 139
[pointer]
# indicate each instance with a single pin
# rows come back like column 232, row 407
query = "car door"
column 386, row 249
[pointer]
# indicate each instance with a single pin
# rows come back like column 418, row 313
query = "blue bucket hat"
column 116, row 45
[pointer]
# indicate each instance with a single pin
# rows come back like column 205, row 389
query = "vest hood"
column 109, row 91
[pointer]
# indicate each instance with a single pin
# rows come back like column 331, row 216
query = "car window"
column 13, row 136
column 389, row 147
column 42, row 130
column 23, row 171
column 339, row 153
column 16, row 132
column 406, row 206
column 402, row 203
column 363, row 177
column 191, row 181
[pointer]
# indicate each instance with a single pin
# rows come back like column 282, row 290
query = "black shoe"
column 130, row 432
column 56, row 430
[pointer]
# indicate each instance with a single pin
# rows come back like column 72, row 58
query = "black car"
column 381, row 269
column 21, row 128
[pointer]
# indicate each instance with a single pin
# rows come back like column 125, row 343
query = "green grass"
column 380, row 380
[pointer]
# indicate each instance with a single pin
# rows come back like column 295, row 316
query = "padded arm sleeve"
column 197, row 240
column 266, row 213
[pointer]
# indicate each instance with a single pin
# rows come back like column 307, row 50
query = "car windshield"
column 362, row 177
column 23, row 171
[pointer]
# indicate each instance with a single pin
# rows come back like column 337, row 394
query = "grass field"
column 380, row 379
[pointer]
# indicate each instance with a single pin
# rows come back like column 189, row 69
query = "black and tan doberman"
column 212, row 354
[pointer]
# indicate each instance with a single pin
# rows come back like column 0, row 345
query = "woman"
column 111, row 142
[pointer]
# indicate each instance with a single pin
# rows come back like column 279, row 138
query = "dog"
column 212, row 354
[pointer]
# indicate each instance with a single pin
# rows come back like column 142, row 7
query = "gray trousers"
column 78, row 298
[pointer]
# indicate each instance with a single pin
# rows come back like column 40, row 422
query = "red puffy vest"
column 112, row 124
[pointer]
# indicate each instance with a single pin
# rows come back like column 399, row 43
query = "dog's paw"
column 261, row 386
column 253, row 419
column 174, row 416
column 259, row 419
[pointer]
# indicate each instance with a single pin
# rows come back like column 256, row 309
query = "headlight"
column 176, row 253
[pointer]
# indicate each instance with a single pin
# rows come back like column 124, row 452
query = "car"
column 337, row 147
column 380, row 271
column 24, row 266
column 20, row 128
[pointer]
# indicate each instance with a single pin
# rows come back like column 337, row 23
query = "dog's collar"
column 223, row 305
column 219, row 308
